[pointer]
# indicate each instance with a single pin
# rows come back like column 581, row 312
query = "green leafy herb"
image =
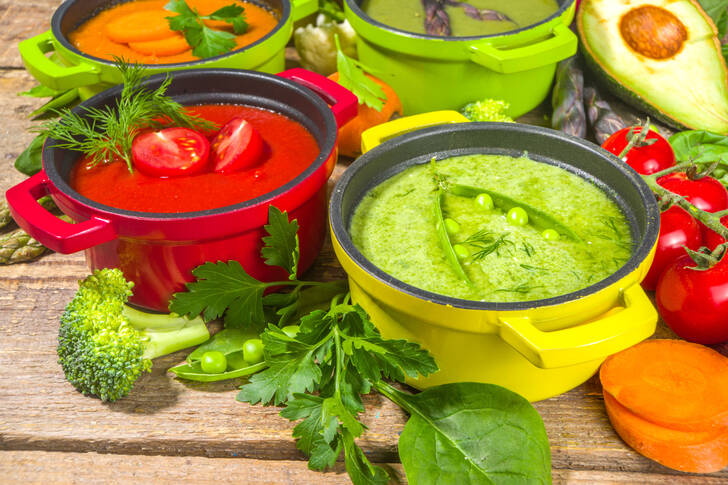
column 717, row 10
column 528, row 267
column 281, row 246
column 352, row 77
column 486, row 243
column 522, row 288
column 614, row 234
column 29, row 162
column 699, row 146
column 207, row 42
column 105, row 134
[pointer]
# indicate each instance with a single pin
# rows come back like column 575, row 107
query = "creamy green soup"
column 409, row 15
column 395, row 227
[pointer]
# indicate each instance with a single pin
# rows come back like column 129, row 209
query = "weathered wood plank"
column 20, row 21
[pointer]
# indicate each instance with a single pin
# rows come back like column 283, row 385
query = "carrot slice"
column 687, row 451
column 141, row 26
column 673, row 383
column 163, row 47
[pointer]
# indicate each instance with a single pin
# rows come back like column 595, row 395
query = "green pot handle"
column 594, row 340
column 303, row 8
column 49, row 73
column 561, row 45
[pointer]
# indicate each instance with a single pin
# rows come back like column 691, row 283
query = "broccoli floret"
column 104, row 345
column 487, row 110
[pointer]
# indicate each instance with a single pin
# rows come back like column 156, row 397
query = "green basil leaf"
column 471, row 433
column 699, row 146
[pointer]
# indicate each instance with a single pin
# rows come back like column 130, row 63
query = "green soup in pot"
column 395, row 227
column 409, row 15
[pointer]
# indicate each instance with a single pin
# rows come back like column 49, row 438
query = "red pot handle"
column 342, row 101
column 50, row 231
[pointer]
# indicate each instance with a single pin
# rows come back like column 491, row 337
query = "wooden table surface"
column 169, row 430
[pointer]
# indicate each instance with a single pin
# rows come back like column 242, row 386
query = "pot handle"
column 591, row 341
column 50, row 231
column 303, row 8
column 343, row 102
column 377, row 135
column 49, row 73
column 561, row 45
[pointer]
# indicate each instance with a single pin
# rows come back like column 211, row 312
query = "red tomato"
column 237, row 146
column 677, row 229
column 645, row 159
column 711, row 238
column 694, row 302
column 706, row 193
column 170, row 152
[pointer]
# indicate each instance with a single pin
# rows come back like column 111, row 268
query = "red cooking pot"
column 157, row 251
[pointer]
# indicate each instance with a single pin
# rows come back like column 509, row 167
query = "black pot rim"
column 354, row 6
column 63, row 40
column 325, row 150
column 341, row 233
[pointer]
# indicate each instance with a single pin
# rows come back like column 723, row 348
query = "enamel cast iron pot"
column 158, row 251
column 433, row 73
column 536, row 348
column 70, row 68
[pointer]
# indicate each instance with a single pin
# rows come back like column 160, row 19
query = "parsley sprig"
column 352, row 77
column 105, row 134
column 205, row 41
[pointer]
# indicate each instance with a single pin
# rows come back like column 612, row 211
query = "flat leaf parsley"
column 205, row 41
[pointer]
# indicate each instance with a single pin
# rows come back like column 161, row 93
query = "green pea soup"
column 395, row 227
column 409, row 15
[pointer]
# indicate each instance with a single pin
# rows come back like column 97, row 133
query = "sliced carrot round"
column 673, row 383
column 141, row 26
column 163, row 47
column 694, row 452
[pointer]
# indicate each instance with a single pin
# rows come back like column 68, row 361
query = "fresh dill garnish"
column 105, row 134
column 528, row 249
column 528, row 267
column 404, row 194
column 613, row 234
column 522, row 288
column 486, row 243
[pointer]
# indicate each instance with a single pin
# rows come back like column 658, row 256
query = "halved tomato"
column 170, row 152
column 237, row 146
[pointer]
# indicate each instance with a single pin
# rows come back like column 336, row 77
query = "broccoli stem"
column 166, row 333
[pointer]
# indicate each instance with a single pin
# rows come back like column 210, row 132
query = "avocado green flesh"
column 394, row 228
column 409, row 15
column 687, row 90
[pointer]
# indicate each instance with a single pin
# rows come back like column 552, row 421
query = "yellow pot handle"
column 379, row 134
column 586, row 342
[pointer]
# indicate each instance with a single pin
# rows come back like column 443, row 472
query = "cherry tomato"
column 677, row 229
column 706, row 193
column 711, row 238
column 694, row 302
column 237, row 146
column 644, row 159
column 170, row 152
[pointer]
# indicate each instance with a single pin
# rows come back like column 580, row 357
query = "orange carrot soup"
column 138, row 31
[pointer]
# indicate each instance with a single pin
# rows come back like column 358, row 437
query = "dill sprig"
column 486, row 243
column 106, row 134
column 613, row 234
column 522, row 288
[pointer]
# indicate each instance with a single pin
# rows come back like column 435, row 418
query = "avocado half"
column 660, row 56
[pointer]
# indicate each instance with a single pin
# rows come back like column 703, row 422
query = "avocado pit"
column 653, row 32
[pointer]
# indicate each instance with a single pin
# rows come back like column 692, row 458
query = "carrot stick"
column 140, row 26
column 163, row 47
column 672, row 383
column 687, row 451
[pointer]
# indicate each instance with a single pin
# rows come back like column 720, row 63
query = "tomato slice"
column 170, row 152
column 237, row 146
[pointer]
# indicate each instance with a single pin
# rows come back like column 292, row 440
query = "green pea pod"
column 194, row 372
column 444, row 238
column 228, row 341
column 536, row 217
column 57, row 102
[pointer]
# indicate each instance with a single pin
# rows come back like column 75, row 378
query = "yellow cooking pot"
column 537, row 348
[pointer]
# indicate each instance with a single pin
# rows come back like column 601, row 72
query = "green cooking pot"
column 69, row 68
column 432, row 73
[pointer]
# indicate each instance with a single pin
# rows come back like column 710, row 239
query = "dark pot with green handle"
column 68, row 68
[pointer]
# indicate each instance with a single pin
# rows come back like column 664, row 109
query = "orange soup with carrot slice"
column 138, row 31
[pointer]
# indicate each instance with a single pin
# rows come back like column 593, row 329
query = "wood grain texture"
column 168, row 430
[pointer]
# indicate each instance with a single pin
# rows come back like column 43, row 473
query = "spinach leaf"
column 699, row 146
column 718, row 11
column 471, row 433
column 29, row 162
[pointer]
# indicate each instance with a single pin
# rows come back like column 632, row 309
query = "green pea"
column 517, row 216
column 253, row 351
column 213, row 362
column 485, row 201
column 452, row 226
column 461, row 251
column 290, row 330
column 550, row 235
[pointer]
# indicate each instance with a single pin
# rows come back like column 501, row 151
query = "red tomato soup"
column 290, row 149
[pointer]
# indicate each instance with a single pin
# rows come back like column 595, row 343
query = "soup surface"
column 110, row 33
column 290, row 149
column 409, row 15
column 394, row 227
